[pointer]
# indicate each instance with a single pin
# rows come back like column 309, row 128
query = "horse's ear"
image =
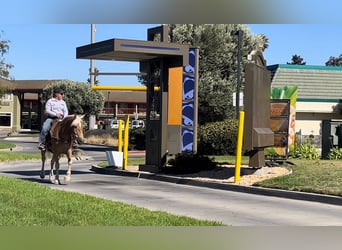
column 82, row 116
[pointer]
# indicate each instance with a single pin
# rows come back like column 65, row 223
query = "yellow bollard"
column 120, row 135
column 239, row 147
column 125, row 149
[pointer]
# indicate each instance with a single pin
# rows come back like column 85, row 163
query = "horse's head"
column 77, row 125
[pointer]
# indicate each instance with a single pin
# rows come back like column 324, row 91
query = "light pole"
column 239, row 34
column 108, row 107
column 92, row 77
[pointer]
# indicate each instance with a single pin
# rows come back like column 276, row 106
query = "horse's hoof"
column 42, row 176
column 53, row 179
column 67, row 178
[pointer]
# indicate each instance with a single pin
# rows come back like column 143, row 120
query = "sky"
column 48, row 51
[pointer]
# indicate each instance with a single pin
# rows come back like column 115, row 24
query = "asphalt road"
column 229, row 207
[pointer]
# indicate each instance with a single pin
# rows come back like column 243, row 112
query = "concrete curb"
column 328, row 199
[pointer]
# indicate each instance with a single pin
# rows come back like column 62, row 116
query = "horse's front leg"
column 67, row 177
column 57, row 170
column 42, row 171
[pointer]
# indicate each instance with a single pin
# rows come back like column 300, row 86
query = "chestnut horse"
column 60, row 141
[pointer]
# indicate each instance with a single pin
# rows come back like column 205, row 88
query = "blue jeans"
column 45, row 129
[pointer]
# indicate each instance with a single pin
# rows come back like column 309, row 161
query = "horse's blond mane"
column 72, row 120
column 69, row 122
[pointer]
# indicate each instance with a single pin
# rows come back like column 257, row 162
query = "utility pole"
column 92, row 76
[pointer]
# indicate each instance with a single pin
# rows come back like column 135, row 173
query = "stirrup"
column 42, row 146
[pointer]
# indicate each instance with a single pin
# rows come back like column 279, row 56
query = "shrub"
column 304, row 151
column 137, row 138
column 335, row 154
column 189, row 163
column 217, row 138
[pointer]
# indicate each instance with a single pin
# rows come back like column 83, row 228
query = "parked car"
column 137, row 124
column 115, row 124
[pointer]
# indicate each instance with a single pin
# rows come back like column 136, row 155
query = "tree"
column 4, row 67
column 79, row 96
column 297, row 60
column 334, row 61
column 217, row 64
column 96, row 81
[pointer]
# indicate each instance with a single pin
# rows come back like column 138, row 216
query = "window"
column 7, row 97
column 5, row 119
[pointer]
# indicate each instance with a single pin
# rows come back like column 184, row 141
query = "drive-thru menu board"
column 279, row 124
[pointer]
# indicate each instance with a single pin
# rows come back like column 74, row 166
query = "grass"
column 107, row 140
column 16, row 156
column 4, row 145
column 24, row 203
column 315, row 176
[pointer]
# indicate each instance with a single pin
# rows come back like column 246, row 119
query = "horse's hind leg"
column 53, row 177
column 57, row 170
column 42, row 171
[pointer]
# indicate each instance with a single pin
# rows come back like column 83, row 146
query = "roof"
column 315, row 83
column 133, row 50
column 6, row 83
column 124, row 96
column 31, row 86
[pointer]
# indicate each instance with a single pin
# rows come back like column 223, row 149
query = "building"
column 21, row 107
column 121, row 103
column 319, row 91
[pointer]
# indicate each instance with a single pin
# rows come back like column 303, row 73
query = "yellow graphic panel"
column 175, row 96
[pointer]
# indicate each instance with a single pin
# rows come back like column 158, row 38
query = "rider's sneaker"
column 41, row 146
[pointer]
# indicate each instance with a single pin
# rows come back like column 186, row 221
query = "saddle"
column 56, row 124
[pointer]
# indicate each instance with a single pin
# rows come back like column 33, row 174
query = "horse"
column 59, row 141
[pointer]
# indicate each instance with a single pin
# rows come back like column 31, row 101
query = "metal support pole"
column 126, row 140
column 239, row 34
column 238, row 84
column 92, row 76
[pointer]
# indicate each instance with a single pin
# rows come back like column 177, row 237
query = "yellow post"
column 119, row 135
column 239, row 147
column 125, row 150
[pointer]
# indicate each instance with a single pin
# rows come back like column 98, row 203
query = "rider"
column 55, row 108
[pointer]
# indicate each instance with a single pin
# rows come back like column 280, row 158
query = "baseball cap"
column 60, row 91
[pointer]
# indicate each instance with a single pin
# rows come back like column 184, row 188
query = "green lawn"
column 23, row 203
column 315, row 176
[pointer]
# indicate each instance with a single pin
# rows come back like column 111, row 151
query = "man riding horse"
column 55, row 109
column 59, row 134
